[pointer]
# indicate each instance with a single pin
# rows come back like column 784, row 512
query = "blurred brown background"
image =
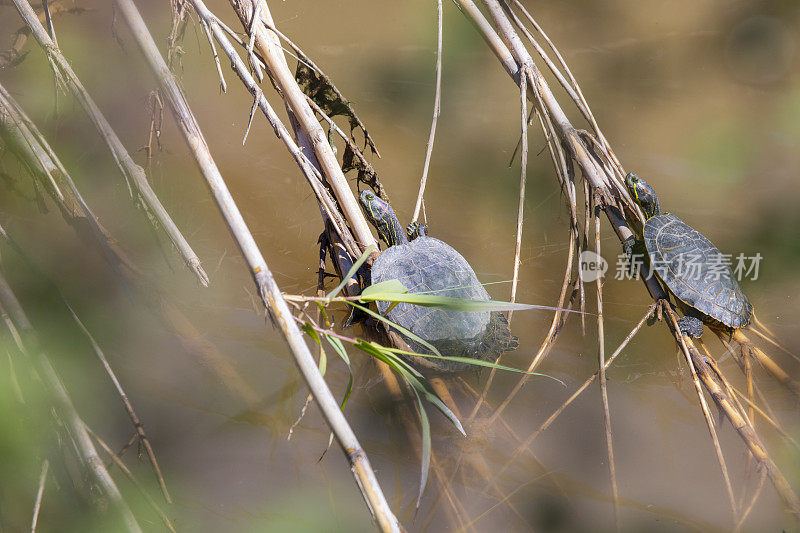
column 701, row 98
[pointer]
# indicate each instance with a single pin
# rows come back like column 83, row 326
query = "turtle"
column 689, row 265
column 426, row 264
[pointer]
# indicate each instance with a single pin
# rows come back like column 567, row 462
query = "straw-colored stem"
column 437, row 100
column 552, row 418
column 265, row 283
column 31, row 346
column 704, row 407
column 133, row 173
column 268, row 44
column 137, row 423
column 601, row 357
column 523, row 178
column 125, row 470
column 37, row 505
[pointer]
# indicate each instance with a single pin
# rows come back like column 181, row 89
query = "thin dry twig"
column 436, row 111
column 31, row 346
column 268, row 289
column 601, row 355
column 601, row 169
column 523, row 178
column 133, row 173
column 547, row 423
column 137, row 423
column 704, row 407
column 268, row 44
column 37, row 505
column 144, row 492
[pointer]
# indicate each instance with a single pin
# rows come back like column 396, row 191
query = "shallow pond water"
column 701, row 98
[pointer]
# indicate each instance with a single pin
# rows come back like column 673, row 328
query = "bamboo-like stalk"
column 37, row 505
column 602, row 171
column 268, row 45
column 523, row 179
column 265, row 283
column 601, row 357
column 437, row 101
column 135, row 420
column 30, row 344
column 305, row 158
column 134, row 174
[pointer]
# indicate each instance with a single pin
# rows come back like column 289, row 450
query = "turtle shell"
column 431, row 266
column 695, row 271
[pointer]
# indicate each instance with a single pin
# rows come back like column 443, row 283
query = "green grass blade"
column 426, row 448
column 412, row 377
column 391, row 286
column 352, row 271
column 455, row 304
column 338, row 347
column 399, row 328
column 323, row 359
column 476, row 362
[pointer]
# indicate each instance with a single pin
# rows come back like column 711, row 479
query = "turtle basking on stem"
column 692, row 268
column 425, row 264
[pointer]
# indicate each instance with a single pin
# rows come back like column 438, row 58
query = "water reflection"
column 673, row 88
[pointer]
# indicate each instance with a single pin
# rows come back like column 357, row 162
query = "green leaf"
column 471, row 361
column 323, row 359
column 352, row 271
column 391, row 286
column 412, row 377
column 426, row 448
column 338, row 347
column 453, row 304
column 399, row 328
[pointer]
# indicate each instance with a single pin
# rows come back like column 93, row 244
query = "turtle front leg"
column 691, row 326
column 635, row 251
column 415, row 229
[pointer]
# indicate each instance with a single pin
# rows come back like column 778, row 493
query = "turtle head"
column 381, row 215
column 643, row 194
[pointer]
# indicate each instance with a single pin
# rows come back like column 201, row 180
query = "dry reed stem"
column 547, row 423
column 31, row 346
column 125, row 470
column 523, row 178
column 549, row 340
column 37, row 505
column 704, row 407
column 437, row 100
column 727, row 405
column 304, row 159
column 752, row 503
column 135, row 420
column 14, row 55
column 566, row 179
column 766, row 417
column 133, row 173
column 395, row 390
column 766, row 336
column 602, row 171
column 601, row 356
column 766, row 362
column 269, row 47
column 268, row 290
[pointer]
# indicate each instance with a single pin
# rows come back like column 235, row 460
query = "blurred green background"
column 701, row 98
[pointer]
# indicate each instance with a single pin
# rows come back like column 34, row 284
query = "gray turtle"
column 692, row 268
column 425, row 264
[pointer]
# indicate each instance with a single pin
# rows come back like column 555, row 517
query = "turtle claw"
column 415, row 229
column 691, row 326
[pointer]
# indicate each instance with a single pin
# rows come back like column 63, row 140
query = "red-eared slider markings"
column 691, row 267
column 429, row 265
column 695, row 270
